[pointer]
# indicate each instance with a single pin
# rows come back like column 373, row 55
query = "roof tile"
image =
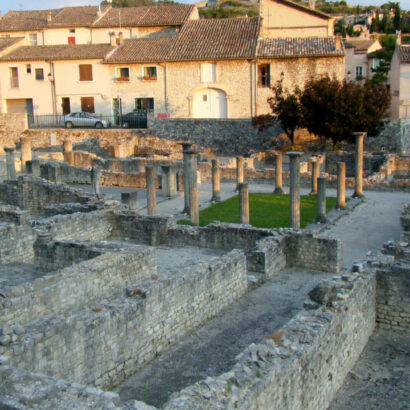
column 166, row 15
column 26, row 20
column 298, row 47
column 404, row 53
column 58, row 52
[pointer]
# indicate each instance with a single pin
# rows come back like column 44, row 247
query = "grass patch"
column 266, row 211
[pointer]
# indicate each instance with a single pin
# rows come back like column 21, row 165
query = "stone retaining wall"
column 16, row 243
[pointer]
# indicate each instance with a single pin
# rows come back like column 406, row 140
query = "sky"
column 6, row 5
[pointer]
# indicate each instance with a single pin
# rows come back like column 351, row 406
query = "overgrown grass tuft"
column 266, row 211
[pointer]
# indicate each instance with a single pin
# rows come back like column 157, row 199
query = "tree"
column 375, row 26
column 285, row 108
column 333, row 109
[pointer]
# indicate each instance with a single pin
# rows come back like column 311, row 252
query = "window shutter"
column 86, row 72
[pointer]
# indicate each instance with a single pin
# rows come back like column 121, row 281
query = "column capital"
column 294, row 154
column 359, row 133
column 8, row 149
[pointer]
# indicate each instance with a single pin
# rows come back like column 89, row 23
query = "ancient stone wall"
column 393, row 284
column 75, row 287
column 104, row 344
column 309, row 251
column 16, row 243
column 33, row 194
column 11, row 128
column 302, row 365
column 226, row 136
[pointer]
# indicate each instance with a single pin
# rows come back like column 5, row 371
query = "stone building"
column 172, row 63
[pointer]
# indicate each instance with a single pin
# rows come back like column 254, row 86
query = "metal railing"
column 138, row 120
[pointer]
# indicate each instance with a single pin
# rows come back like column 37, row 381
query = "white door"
column 210, row 103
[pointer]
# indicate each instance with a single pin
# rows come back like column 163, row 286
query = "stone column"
column 130, row 199
column 244, row 203
column 315, row 175
column 25, row 152
column 295, row 189
column 358, row 185
column 239, row 171
column 151, row 196
column 54, row 173
column 278, row 174
column 341, row 185
column 321, row 201
column 69, row 157
column 216, row 181
column 193, row 187
column 186, row 146
column 11, row 169
column 168, row 181
column 67, row 146
column 95, row 179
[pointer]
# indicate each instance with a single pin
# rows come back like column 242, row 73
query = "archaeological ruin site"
column 107, row 302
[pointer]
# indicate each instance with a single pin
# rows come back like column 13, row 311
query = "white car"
column 83, row 119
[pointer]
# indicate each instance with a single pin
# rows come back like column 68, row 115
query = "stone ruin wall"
column 393, row 283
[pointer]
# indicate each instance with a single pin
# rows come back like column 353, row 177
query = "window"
column 39, row 74
column 14, row 77
column 28, row 68
column 87, row 104
column 86, row 72
column 144, row 103
column 150, row 73
column 359, row 72
column 72, row 30
column 32, row 38
column 71, row 40
column 123, row 74
column 264, row 75
column 208, row 72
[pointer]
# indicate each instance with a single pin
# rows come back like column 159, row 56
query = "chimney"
column 49, row 16
column 120, row 38
column 312, row 4
column 338, row 42
column 113, row 41
column 398, row 35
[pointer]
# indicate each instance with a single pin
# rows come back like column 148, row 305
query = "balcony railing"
column 122, row 79
column 14, row 82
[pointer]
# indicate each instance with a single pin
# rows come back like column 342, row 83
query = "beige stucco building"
column 219, row 68
column 359, row 57
column 400, row 82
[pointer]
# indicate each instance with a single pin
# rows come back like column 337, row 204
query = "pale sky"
column 6, row 5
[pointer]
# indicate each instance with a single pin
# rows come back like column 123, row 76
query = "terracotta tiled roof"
column 58, row 52
column 216, row 39
column 359, row 44
column 305, row 9
column 166, row 15
column 404, row 53
column 142, row 50
column 298, row 47
column 7, row 42
column 26, row 20
column 75, row 17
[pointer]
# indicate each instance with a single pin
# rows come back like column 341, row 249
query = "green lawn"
column 266, row 210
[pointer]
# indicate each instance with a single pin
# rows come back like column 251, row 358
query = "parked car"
column 83, row 119
column 134, row 119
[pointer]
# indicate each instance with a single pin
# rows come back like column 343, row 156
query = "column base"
column 186, row 210
column 320, row 219
column 313, row 193
column 279, row 191
column 356, row 195
column 216, row 198
column 341, row 207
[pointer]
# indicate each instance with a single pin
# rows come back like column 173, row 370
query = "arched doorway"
column 210, row 103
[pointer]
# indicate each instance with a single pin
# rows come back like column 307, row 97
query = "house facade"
column 360, row 57
column 400, row 82
column 219, row 68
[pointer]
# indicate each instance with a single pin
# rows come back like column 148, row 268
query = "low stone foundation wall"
column 131, row 329
column 75, row 286
column 16, row 243
column 300, row 366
